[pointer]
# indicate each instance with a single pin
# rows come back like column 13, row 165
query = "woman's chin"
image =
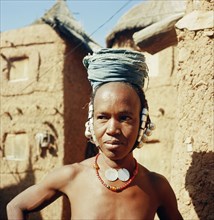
column 113, row 154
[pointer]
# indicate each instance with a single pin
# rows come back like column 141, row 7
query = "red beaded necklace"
column 115, row 188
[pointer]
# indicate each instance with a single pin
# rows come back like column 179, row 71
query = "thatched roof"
column 60, row 18
column 163, row 14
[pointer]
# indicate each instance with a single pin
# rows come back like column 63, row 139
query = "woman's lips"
column 112, row 144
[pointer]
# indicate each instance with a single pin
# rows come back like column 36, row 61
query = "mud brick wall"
column 44, row 89
column 161, row 95
column 193, row 156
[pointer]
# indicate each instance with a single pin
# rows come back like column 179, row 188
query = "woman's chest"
column 97, row 202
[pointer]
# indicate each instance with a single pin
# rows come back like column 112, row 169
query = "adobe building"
column 193, row 152
column 180, row 95
column 44, row 96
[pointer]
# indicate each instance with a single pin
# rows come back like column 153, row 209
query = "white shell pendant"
column 111, row 174
column 123, row 174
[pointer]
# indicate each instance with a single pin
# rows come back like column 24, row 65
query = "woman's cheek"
column 99, row 129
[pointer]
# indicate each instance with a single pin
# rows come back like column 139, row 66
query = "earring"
column 89, row 126
column 145, row 128
column 87, row 130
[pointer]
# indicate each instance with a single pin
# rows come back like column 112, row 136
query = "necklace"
column 115, row 188
column 113, row 174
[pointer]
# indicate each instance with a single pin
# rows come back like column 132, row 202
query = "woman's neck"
column 127, row 162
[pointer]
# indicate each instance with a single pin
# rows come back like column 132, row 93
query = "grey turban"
column 113, row 65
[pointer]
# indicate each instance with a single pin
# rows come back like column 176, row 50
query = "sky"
column 97, row 17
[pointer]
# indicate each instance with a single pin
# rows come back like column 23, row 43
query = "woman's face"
column 116, row 119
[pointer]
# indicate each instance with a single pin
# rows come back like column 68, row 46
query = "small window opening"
column 18, row 69
column 16, row 147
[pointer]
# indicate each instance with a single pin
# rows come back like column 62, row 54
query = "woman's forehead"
column 117, row 92
column 114, row 88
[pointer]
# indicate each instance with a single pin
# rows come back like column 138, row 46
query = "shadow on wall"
column 200, row 184
column 9, row 192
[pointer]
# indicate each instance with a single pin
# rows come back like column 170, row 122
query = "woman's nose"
column 113, row 127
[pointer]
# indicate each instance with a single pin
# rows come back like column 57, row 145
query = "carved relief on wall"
column 19, row 71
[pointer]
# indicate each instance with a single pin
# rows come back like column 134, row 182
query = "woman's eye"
column 101, row 117
column 125, row 118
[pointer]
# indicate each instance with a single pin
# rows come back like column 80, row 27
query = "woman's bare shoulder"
column 88, row 163
column 153, row 177
column 61, row 176
column 75, row 168
column 160, row 184
column 158, row 177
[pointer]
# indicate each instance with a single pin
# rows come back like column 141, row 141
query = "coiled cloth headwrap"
column 115, row 65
